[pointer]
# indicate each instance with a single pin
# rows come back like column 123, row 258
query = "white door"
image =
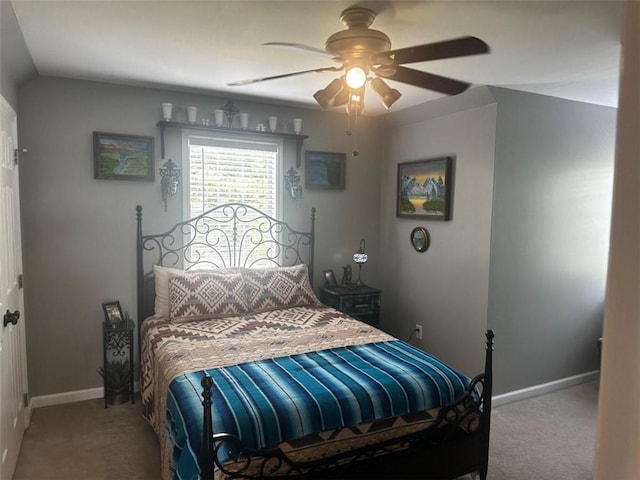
column 13, row 376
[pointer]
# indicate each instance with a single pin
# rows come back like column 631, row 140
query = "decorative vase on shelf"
column 273, row 123
column 166, row 111
column 244, row 121
column 218, row 116
column 192, row 113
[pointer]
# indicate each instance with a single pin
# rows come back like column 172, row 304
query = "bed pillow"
column 281, row 287
column 205, row 296
column 161, row 274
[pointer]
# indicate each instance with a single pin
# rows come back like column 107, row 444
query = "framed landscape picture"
column 122, row 157
column 424, row 189
column 325, row 170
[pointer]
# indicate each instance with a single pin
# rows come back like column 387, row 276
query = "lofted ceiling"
column 568, row 49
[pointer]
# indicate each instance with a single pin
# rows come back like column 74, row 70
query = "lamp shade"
column 360, row 257
column 387, row 94
column 326, row 96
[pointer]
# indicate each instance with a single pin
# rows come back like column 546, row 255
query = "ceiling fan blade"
column 284, row 75
column 458, row 47
column 299, row 46
column 428, row 80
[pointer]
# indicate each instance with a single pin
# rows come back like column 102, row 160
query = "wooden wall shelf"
column 193, row 126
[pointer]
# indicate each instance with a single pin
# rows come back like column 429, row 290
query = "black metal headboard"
column 229, row 235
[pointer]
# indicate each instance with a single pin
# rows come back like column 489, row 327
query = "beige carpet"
column 550, row 437
column 86, row 441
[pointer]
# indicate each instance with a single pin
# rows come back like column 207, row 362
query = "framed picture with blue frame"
column 325, row 170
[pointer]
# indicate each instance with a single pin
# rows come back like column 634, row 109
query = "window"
column 224, row 169
column 227, row 169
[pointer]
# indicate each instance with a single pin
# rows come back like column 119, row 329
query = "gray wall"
column 79, row 233
column 16, row 66
column 549, row 210
column 526, row 250
column 550, row 240
column 445, row 288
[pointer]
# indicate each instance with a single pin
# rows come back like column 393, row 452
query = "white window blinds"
column 230, row 170
column 225, row 170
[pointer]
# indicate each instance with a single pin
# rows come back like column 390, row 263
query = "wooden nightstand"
column 362, row 303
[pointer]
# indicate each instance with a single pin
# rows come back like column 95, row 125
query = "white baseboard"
column 66, row 397
column 496, row 401
column 70, row 397
column 536, row 390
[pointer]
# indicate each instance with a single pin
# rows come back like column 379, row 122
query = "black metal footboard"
column 456, row 443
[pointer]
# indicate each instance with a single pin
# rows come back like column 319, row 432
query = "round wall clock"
column 420, row 239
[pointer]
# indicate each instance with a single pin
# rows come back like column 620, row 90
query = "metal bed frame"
column 238, row 235
column 229, row 235
column 456, row 443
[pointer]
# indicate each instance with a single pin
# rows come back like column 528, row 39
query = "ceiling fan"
column 365, row 55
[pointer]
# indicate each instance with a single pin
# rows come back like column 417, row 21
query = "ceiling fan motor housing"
column 358, row 41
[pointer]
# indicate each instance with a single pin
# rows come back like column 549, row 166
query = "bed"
column 246, row 374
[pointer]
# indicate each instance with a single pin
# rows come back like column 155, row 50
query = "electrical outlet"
column 418, row 331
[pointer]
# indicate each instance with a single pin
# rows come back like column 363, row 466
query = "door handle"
column 11, row 317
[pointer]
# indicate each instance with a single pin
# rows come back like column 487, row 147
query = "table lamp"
column 360, row 257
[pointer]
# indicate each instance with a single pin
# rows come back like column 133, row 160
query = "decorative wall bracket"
column 170, row 179
column 292, row 184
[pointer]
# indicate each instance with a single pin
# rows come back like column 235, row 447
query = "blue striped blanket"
column 269, row 401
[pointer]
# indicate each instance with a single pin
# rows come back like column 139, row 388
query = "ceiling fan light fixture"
column 321, row 98
column 326, row 96
column 388, row 95
column 360, row 51
column 356, row 77
column 355, row 106
column 342, row 98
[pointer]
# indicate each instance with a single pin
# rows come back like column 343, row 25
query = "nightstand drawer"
column 362, row 302
column 359, row 304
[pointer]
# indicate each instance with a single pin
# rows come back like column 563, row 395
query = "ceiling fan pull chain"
column 355, row 152
column 355, row 137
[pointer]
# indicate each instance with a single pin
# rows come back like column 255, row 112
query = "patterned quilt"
column 307, row 353
column 171, row 349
